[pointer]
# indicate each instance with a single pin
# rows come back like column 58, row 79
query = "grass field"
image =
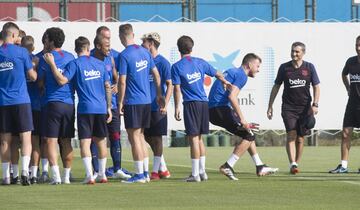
column 313, row 188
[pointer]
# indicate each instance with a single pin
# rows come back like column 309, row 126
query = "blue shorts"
column 225, row 117
column 92, row 125
column 16, row 118
column 36, row 116
column 137, row 116
column 196, row 117
column 158, row 125
column 58, row 120
column 114, row 125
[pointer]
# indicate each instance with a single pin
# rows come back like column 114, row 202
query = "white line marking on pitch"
column 351, row 182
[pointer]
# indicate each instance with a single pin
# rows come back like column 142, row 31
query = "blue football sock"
column 94, row 154
column 115, row 150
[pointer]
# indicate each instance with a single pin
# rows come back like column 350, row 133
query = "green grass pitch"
column 313, row 188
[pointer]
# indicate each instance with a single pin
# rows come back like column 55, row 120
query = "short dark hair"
column 98, row 40
column 56, row 35
column 156, row 43
column 358, row 38
column 125, row 29
column 101, row 28
column 28, row 43
column 185, row 44
column 81, row 44
column 44, row 37
column 7, row 27
column 249, row 58
column 300, row 44
column 22, row 33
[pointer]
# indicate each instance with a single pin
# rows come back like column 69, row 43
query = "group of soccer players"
column 37, row 105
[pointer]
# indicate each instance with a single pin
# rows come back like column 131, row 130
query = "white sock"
column 25, row 161
column 195, row 167
column 45, row 164
column 257, row 160
column 156, row 164
column 88, row 166
column 67, row 173
column 232, row 160
column 102, row 166
column 139, row 167
column 6, row 170
column 34, row 170
column 293, row 164
column 344, row 163
column 146, row 164
column 163, row 164
column 202, row 164
column 15, row 170
column 56, row 173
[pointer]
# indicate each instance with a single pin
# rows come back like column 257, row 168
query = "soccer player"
column 43, row 151
column 94, row 108
column 158, row 123
column 28, row 43
column 103, row 52
column 59, row 116
column 135, row 65
column 188, row 75
column 297, row 76
column 224, row 111
column 15, row 107
column 351, row 80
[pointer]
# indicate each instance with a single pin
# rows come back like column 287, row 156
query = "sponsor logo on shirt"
column 92, row 74
column 354, row 78
column 193, row 77
column 141, row 65
column 6, row 66
column 297, row 83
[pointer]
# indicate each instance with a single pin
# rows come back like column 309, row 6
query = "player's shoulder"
column 352, row 60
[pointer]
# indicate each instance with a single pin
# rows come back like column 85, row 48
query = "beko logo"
column 141, row 65
column 297, row 83
column 92, row 74
column 193, row 77
column 6, row 66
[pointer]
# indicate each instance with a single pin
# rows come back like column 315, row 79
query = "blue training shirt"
column 34, row 91
column 14, row 64
column 88, row 74
column 189, row 73
column 164, row 69
column 218, row 96
column 136, row 63
column 54, row 91
column 108, row 67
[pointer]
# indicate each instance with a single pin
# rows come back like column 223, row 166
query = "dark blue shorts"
column 137, row 116
column 58, row 120
column 114, row 125
column 92, row 125
column 36, row 116
column 16, row 118
column 295, row 119
column 158, row 125
column 225, row 117
column 196, row 117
